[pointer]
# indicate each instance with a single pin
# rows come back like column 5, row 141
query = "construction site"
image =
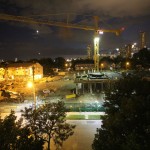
column 83, row 92
column 81, row 87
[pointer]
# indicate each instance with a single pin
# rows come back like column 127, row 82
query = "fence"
column 84, row 107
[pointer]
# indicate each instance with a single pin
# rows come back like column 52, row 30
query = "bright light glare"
column 30, row 84
column 96, row 39
column 127, row 63
column 38, row 76
column 133, row 45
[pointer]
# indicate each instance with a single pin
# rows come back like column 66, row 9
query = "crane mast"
column 95, row 28
column 96, row 45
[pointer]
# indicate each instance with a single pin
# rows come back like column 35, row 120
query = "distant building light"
column 68, row 60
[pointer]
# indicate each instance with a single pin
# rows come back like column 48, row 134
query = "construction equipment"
column 94, row 28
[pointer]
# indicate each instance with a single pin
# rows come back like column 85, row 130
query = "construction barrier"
column 70, row 96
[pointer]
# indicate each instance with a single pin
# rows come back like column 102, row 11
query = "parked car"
column 46, row 91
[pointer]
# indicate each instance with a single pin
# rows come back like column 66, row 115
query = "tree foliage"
column 81, row 61
column 142, row 58
column 48, row 122
column 47, row 64
column 126, row 124
column 60, row 62
column 16, row 136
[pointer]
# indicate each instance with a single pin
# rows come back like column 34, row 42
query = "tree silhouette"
column 126, row 124
column 142, row 58
column 48, row 122
column 16, row 136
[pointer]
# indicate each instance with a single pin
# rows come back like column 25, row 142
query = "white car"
column 46, row 91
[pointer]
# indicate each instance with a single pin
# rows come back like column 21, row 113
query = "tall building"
column 128, row 50
column 142, row 40
column 89, row 52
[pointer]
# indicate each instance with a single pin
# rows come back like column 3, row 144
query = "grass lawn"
column 94, row 117
column 82, row 117
column 75, row 117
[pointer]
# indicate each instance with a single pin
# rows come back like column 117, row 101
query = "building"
column 89, row 52
column 2, row 72
column 81, row 67
column 128, row 50
column 142, row 40
column 24, row 70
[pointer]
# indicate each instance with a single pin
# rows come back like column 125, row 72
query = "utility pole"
column 34, row 94
column 33, row 72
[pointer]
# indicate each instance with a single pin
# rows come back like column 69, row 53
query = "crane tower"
column 94, row 28
column 96, row 51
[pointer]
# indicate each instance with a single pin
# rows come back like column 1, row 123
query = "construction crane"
column 94, row 28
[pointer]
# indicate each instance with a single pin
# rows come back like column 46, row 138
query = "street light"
column 127, row 65
column 32, row 85
column 102, row 65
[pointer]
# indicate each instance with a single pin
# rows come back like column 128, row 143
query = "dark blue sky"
column 20, row 40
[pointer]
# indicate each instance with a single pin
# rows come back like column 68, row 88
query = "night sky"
column 22, row 41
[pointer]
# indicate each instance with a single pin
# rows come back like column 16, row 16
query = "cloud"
column 131, row 14
column 56, row 10
column 116, row 8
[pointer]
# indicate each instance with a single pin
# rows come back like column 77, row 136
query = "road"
column 83, row 135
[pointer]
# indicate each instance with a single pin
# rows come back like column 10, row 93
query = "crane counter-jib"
column 53, row 23
column 50, row 23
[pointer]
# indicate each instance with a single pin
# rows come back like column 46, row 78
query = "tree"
column 8, row 127
column 48, row 122
column 107, row 61
column 60, row 62
column 14, row 135
column 47, row 64
column 142, row 58
column 62, row 133
column 126, row 123
column 81, row 61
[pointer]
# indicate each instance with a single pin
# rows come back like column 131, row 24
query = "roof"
column 20, row 64
column 87, row 64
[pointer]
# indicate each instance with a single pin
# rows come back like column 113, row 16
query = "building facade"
column 24, row 70
column 81, row 67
